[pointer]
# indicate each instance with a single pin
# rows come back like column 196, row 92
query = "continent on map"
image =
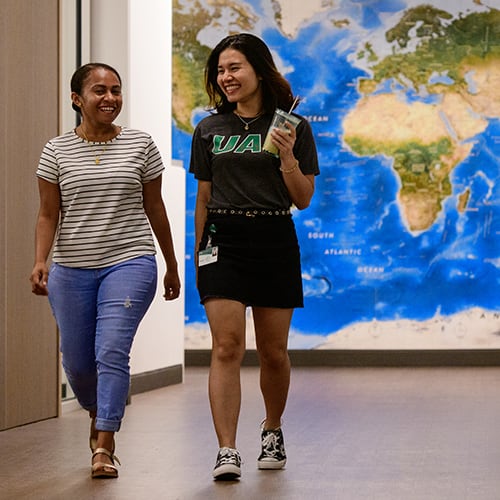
column 426, row 140
column 424, row 152
column 189, row 55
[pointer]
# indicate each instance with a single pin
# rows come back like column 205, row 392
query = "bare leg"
column 93, row 431
column 271, row 333
column 105, row 440
column 227, row 324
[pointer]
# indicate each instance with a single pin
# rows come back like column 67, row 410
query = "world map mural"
column 401, row 244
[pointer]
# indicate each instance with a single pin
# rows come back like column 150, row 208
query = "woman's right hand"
column 39, row 277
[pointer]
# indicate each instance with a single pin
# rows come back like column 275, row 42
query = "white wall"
column 134, row 36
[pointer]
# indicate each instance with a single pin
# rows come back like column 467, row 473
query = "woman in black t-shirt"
column 247, row 249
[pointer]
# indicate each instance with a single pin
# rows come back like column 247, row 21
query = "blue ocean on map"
column 360, row 261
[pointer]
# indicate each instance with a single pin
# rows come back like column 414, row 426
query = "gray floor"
column 351, row 434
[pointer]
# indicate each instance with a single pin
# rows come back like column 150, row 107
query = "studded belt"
column 250, row 212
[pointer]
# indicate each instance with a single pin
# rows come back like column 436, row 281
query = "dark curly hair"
column 276, row 91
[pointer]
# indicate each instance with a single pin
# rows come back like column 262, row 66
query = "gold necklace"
column 97, row 156
column 247, row 124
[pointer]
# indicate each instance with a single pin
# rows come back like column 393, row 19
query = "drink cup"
column 279, row 119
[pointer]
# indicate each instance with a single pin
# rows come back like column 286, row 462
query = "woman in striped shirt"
column 100, row 195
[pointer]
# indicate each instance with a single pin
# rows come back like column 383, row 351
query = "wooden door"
column 29, row 89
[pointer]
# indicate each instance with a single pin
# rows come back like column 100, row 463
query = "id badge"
column 207, row 256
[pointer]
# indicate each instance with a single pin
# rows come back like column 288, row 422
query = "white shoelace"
column 228, row 455
column 270, row 443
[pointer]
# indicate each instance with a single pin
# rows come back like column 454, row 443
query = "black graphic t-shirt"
column 242, row 174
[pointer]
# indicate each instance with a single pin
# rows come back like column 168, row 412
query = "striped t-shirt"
column 102, row 218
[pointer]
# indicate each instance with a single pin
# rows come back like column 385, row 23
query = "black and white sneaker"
column 273, row 454
column 228, row 465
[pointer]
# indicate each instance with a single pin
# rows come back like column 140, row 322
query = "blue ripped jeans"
column 98, row 312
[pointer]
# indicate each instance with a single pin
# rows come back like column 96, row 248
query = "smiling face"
column 100, row 101
column 237, row 79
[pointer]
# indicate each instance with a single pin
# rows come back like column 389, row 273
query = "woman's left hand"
column 284, row 141
column 172, row 285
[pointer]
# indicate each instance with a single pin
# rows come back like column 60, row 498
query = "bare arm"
column 45, row 231
column 157, row 215
column 300, row 186
column 200, row 213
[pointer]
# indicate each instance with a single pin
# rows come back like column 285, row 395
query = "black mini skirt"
column 258, row 261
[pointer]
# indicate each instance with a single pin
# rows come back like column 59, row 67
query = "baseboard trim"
column 368, row 358
column 155, row 379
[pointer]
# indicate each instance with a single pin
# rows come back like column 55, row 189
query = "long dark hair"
column 276, row 91
column 81, row 74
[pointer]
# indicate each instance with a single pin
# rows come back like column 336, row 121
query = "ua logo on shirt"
column 251, row 143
